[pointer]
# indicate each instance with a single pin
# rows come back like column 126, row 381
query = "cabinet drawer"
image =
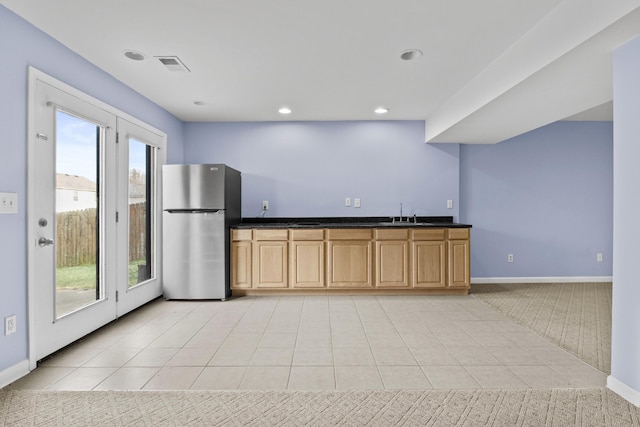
column 271, row 234
column 306, row 234
column 238, row 235
column 428, row 234
column 349, row 234
column 458, row 234
column 392, row 234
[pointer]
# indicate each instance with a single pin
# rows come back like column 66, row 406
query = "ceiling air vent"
column 173, row 63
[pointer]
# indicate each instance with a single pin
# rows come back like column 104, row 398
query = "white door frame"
column 32, row 228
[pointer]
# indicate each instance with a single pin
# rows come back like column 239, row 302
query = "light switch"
column 8, row 202
column 449, row 204
column 356, row 203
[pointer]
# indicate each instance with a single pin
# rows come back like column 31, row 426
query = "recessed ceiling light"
column 284, row 110
column 411, row 54
column 136, row 56
column 199, row 103
column 381, row 110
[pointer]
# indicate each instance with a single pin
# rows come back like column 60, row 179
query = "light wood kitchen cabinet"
column 392, row 258
column 270, row 260
column 306, row 263
column 241, row 259
column 349, row 253
column 344, row 260
column 429, row 259
column 459, row 275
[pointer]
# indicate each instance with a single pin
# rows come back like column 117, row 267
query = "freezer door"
column 193, row 187
column 194, row 260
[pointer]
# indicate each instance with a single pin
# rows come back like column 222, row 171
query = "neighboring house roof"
column 74, row 182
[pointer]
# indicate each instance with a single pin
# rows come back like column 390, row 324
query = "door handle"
column 43, row 241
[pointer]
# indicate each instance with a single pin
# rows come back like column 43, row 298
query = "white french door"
column 139, row 154
column 93, row 214
column 73, row 213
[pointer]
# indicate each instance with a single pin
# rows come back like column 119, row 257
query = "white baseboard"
column 623, row 390
column 14, row 372
column 562, row 279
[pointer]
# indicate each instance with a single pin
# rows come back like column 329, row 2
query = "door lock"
column 42, row 222
column 43, row 241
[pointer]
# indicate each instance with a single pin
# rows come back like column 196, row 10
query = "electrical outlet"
column 599, row 257
column 347, row 201
column 8, row 203
column 10, row 324
column 510, row 258
column 265, row 205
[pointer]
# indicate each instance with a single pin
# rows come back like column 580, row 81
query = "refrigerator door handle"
column 195, row 211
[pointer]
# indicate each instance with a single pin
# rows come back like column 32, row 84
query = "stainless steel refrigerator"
column 199, row 204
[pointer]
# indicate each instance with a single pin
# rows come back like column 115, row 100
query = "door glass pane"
column 140, row 212
column 77, row 213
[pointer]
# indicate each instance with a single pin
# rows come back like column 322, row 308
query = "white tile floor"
column 312, row 343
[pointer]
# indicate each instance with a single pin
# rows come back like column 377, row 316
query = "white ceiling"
column 490, row 69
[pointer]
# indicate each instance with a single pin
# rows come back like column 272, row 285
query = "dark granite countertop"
column 350, row 222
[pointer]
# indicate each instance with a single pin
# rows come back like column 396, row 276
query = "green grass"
column 84, row 276
column 76, row 277
column 133, row 271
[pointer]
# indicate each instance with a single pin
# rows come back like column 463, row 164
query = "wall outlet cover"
column 10, row 324
column 8, row 203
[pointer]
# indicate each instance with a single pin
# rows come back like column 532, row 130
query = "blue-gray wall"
column 625, row 336
column 307, row 169
column 546, row 197
column 23, row 45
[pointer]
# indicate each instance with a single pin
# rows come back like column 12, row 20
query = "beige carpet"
column 530, row 407
column 574, row 316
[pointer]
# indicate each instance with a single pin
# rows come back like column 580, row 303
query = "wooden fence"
column 76, row 236
column 137, row 231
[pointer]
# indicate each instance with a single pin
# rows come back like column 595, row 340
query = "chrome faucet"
column 393, row 218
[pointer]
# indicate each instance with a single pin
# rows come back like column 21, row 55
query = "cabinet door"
column 349, row 264
column 459, row 271
column 307, row 264
column 429, row 264
column 270, row 265
column 392, row 264
column 241, row 265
